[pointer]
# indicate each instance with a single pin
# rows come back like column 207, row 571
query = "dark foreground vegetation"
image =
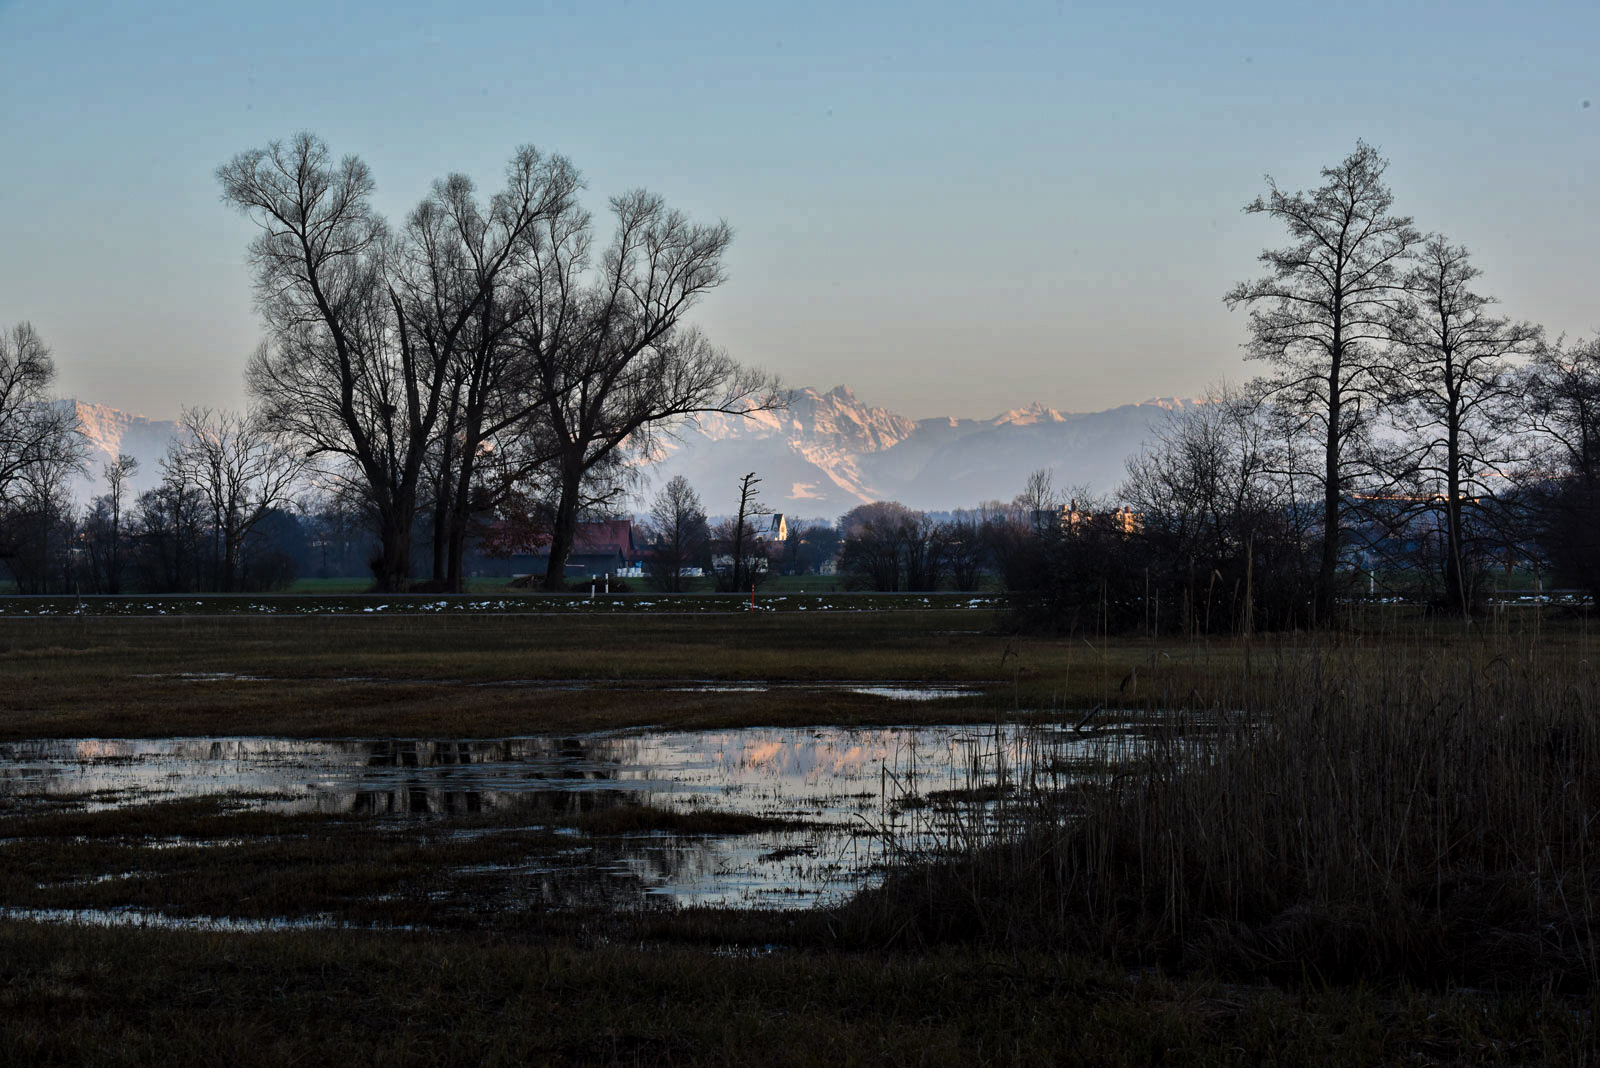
column 71, row 996
column 1367, row 846
column 1375, row 813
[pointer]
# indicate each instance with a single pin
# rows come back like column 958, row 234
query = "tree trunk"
column 230, row 561
column 392, row 570
column 461, row 502
column 564, row 530
column 439, row 546
column 669, row 561
column 1455, row 586
column 1327, row 571
column 455, row 580
column 442, row 508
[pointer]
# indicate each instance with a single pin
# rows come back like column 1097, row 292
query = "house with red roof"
column 600, row 548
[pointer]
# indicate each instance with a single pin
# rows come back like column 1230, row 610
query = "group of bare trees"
column 738, row 552
column 1401, row 403
column 239, row 471
column 39, row 449
column 1403, row 426
column 886, row 546
column 221, row 479
column 681, row 536
column 487, row 353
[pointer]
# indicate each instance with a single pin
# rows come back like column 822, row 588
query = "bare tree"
column 170, row 534
column 741, row 536
column 116, row 475
column 380, row 346
column 38, row 535
column 678, row 522
column 39, row 446
column 926, row 552
column 1218, row 514
column 1562, row 390
column 240, row 468
column 1206, row 475
column 1039, row 500
column 39, row 440
column 965, row 548
column 461, row 287
column 614, row 362
column 335, row 373
column 875, row 537
column 1455, row 383
column 1322, row 316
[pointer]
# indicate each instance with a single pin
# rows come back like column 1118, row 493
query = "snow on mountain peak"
column 108, row 432
column 1033, row 413
column 1171, row 404
column 827, row 452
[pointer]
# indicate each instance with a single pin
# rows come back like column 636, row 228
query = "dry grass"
column 1413, row 810
column 492, row 676
column 467, row 676
column 1361, row 816
column 74, row 996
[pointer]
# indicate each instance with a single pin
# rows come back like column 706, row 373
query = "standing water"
column 847, row 799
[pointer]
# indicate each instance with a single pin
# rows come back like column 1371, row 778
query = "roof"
column 610, row 536
column 606, row 536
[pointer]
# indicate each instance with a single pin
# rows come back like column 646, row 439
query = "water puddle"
column 144, row 918
column 913, row 693
column 848, row 799
column 204, row 676
column 892, row 690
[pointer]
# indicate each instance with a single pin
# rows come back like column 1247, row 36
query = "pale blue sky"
column 954, row 208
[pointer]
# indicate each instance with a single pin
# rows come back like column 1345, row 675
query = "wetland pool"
column 836, row 803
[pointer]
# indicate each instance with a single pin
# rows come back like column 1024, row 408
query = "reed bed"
column 1388, row 811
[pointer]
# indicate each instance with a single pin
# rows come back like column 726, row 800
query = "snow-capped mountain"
column 821, row 456
column 829, row 452
column 108, row 431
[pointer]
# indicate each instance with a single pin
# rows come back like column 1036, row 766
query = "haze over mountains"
column 108, row 431
column 822, row 456
column 830, row 452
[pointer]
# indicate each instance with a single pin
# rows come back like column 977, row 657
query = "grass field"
column 772, row 584
column 476, row 675
column 484, row 673
column 73, row 996
column 1383, row 858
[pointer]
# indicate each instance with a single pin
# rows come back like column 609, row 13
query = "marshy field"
column 826, row 830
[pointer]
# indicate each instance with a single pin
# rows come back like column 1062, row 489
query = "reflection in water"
column 862, row 794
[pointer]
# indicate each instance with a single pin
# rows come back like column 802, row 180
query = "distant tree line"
column 488, row 373
column 219, row 520
column 1406, row 439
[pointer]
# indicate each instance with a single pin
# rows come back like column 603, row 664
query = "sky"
column 954, row 208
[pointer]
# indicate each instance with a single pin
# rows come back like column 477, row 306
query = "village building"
column 599, row 549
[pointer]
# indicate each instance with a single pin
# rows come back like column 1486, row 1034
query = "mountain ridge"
column 109, row 431
column 827, row 452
